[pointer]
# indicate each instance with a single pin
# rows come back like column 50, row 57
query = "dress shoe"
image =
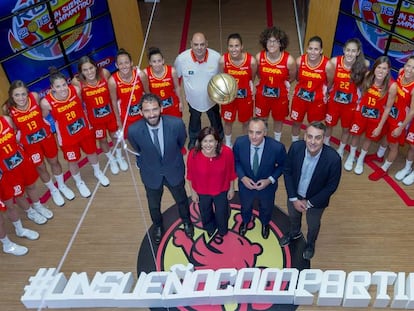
column 212, row 232
column 286, row 239
column 189, row 229
column 157, row 234
column 308, row 252
column 265, row 231
column 243, row 229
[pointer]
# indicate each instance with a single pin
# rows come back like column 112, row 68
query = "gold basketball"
column 222, row 88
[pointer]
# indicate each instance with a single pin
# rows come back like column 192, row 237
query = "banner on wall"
column 372, row 21
column 39, row 34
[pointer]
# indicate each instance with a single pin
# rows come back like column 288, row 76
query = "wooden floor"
column 366, row 228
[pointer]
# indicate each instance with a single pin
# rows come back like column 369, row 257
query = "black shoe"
column 286, row 239
column 243, row 229
column 189, row 229
column 212, row 233
column 265, row 231
column 308, row 252
column 157, row 234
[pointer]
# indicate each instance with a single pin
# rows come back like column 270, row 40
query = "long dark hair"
column 10, row 101
column 208, row 130
column 358, row 68
column 370, row 77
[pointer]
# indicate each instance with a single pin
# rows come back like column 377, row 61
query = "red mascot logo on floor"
column 229, row 251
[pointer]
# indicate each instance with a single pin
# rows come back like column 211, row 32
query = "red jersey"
column 242, row 73
column 123, row 92
column 30, row 122
column 312, row 81
column 164, row 88
column 344, row 91
column 97, row 100
column 402, row 99
column 11, row 154
column 274, row 77
column 372, row 103
column 71, row 122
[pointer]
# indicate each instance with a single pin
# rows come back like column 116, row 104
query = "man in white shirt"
column 196, row 66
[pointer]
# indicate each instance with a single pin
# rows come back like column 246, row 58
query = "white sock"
column 408, row 164
column 381, row 151
column 118, row 152
column 37, row 204
column 341, row 146
column 6, row 241
column 60, row 180
column 386, row 165
column 278, row 136
column 50, row 185
column 109, row 156
column 228, row 139
column 326, row 140
column 96, row 168
column 295, row 138
column 77, row 177
column 352, row 151
column 362, row 156
column 18, row 225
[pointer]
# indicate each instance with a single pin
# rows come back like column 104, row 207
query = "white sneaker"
column 28, row 234
column 44, row 211
column 83, row 189
column 123, row 165
column 349, row 163
column 67, row 192
column 401, row 174
column 15, row 249
column 37, row 218
column 359, row 168
column 102, row 179
column 409, row 180
column 57, row 197
column 114, row 167
column 340, row 152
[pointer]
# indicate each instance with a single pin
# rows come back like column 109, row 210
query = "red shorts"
column 315, row 111
column 410, row 134
column 173, row 110
column 101, row 128
column 337, row 110
column 243, row 107
column 278, row 106
column 13, row 182
column 45, row 148
column 361, row 124
column 391, row 126
column 72, row 153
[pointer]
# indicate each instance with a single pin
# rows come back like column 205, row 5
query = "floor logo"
column 230, row 251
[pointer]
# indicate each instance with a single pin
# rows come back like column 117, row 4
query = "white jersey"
column 196, row 76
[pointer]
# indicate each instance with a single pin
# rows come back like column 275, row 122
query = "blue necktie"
column 255, row 161
column 156, row 141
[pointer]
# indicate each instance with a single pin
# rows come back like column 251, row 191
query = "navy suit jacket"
column 271, row 163
column 152, row 167
column 325, row 179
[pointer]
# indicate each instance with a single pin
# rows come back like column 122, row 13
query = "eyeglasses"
column 273, row 41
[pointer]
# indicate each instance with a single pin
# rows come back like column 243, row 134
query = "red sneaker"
column 377, row 175
column 374, row 157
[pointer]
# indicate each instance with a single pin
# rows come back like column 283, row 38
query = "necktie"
column 255, row 160
column 156, row 141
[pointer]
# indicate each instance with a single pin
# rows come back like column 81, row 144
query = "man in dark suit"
column 312, row 174
column 259, row 162
column 158, row 140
